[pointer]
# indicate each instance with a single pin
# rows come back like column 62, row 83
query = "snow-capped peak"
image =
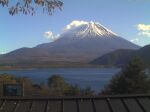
column 87, row 29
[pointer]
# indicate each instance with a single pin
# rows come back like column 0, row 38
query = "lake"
column 95, row 78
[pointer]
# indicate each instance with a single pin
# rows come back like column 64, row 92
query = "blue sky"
column 128, row 18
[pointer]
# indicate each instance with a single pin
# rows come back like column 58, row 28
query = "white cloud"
column 143, row 27
column 50, row 35
column 74, row 24
column 144, row 34
column 135, row 40
column 2, row 52
column 144, row 30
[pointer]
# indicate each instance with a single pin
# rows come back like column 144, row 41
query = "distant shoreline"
column 3, row 68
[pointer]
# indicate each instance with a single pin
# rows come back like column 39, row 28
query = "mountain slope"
column 80, row 42
column 122, row 57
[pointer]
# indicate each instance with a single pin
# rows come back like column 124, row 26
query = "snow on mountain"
column 84, row 29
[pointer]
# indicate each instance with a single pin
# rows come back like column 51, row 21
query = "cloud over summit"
column 74, row 24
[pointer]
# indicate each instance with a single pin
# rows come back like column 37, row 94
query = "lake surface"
column 96, row 78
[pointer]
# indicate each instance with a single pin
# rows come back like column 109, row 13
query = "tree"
column 87, row 92
column 31, row 6
column 74, row 90
column 57, row 85
column 131, row 80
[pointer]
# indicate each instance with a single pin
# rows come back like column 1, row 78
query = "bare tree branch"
column 31, row 6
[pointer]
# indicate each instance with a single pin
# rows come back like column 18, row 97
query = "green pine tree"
column 131, row 80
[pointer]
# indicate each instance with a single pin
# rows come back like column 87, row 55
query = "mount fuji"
column 80, row 42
